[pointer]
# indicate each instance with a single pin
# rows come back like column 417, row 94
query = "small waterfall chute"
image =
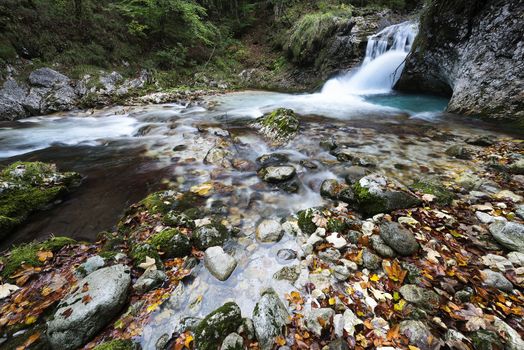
column 381, row 68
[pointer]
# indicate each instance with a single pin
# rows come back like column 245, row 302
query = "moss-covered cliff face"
column 472, row 51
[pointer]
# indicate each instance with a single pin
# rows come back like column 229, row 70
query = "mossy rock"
column 371, row 204
column 214, row 234
column 117, row 344
column 337, row 225
column 139, row 252
column 279, row 126
column 305, row 220
column 28, row 254
column 172, row 243
column 30, row 186
column 164, row 202
column 216, row 326
column 443, row 196
column 176, row 219
column 486, row 340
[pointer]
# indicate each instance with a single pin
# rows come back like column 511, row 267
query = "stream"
column 126, row 152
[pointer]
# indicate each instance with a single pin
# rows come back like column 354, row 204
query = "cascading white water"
column 381, row 68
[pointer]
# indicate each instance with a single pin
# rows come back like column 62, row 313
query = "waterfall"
column 382, row 65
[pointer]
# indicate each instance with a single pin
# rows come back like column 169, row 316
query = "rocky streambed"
column 344, row 223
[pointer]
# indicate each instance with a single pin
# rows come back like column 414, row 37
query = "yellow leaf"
column 411, row 347
column 202, row 189
column 152, row 307
column 400, row 305
column 280, row 340
column 374, row 277
column 119, row 324
column 332, row 301
column 30, row 320
column 188, row 340
column 44, row 255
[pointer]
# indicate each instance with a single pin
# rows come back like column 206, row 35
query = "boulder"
column 11, row 110
column 269, row 316
column 92, row 264
column 399, row 238
column 276, row 174
column 269, row 231
column 374, row 196
column 337, row 191
column 75, row 321
column 508, row 234
column 220, row 264
column 48, row 78
column 216, row 326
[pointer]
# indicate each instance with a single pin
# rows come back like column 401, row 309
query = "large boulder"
column 471, row 51
column 216, row 326
column 84, row 312
column 46, row 77
column 269, row 316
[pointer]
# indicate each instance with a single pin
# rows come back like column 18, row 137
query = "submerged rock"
column 276, row 174
column 75, row 322
column 220, row 264
column 338, row 191
column 269, row 316
column 272, row 159
column 216, row 326
column 399, row 238
column 269, row 231
column 288, row 273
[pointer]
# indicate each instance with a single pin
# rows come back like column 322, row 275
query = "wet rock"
column 496, row 280
column 418, row 334
column 117, row 344
column 513, row 339
column 218, row 156
column 343, row 155
column 373, row 196
column 269, row 316
column 214, row 328
column 341, row 273
column 11, row 110
column 288, row 273
column 276, row 174
column 74, row 322
column 338, row 191
column 508, row 234
column 210, row 235
column 318, row 319
column 149, row 280
column 508, row 195
column 92, row 264
column 355, row 173
column 172, row 242
column 369, row 260
column 381, row 247
column 272, row 159
column 459, row 151
column 308, row 164
column 279, row 126
column 421, row 297
column 336, row 240
column 328, row 144
column 233, row 342
column 269, row 231
column 305, row 220
column 46, row 77
column 469, row 181
column 286, row 254
column 220, row 264
column 399, row 238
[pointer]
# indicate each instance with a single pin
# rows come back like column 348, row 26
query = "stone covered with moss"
column 432, row 186
column 117, row 344
column 27, row 254
column 210, row 235
column 305, row 220
column 26, row 187
column 214, row 328
column 279, row 126
column 140, row 251
column 172, row 243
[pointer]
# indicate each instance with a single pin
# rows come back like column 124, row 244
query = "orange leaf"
column 86, row 299
column 44, row 255
column 280, row 340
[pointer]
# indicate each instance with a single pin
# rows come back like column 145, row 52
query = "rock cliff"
column 472, row 51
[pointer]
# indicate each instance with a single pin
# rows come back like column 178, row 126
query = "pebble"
column 336, row 240
column 341, row 273
column 496, row 280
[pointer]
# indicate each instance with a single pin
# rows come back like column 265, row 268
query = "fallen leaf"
column 67, row 312
column 149, row 264
column 86, row 299
column 44, row 255
column 475, row 318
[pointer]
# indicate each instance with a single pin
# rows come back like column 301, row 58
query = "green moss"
column 139, row 253
column 214, row 234
column 305, row 220
column 281, row 123
column 28, row 254
column 433, row 187
column 212, row 330
column 116, row 344
column 172, row 243
column 337, row 225
column 369, row 203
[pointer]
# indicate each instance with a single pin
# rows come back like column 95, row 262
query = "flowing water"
column 127, row 152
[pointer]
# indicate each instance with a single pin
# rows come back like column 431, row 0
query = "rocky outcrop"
column 47, row 91
column 473, row 51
